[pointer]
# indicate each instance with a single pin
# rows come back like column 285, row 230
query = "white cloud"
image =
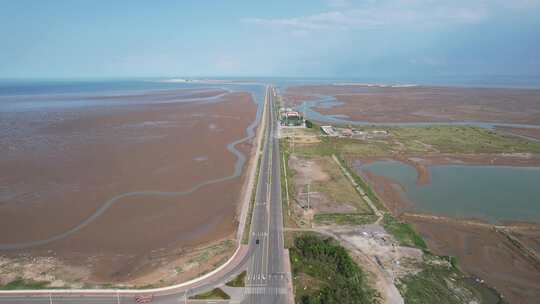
column 322, row 21
column 300, row 33
column 386, row 13
column 226, row 64
column 339, row 3
column 429, row 61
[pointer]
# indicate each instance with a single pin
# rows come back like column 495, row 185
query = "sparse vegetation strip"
column 214, row 294
column 238, row 281
column 403, row 232
column 442, row 283
column 21, row 283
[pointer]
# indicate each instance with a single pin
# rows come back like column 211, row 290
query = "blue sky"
column 315, row 38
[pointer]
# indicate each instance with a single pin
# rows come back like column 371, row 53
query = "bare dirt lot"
column 301, row 135
column 329, row 190
column 58, row 169
column 426, row 104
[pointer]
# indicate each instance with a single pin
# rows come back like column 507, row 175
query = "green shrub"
column 341, row 279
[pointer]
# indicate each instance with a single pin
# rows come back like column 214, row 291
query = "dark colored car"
column 257, row 241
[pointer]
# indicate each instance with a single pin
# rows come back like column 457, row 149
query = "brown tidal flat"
column 486, row 253
column 527, row 132
column 426, row 104
column 59, row 168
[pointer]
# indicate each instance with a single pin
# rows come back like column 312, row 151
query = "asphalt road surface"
column 266, row 280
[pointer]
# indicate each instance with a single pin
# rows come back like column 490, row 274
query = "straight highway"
column 266, row 277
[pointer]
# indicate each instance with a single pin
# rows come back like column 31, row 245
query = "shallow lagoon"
column 492, row 193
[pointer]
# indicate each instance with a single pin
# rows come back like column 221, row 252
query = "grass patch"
column 115, row 286
column 288, row 221
column 429, row 286
column 214, row 294
column 147, row 286
column 364, row 148
column 340, row 147
column 289, row 236
column 247, row 227
column 461, row 139
column 338, row 188
column 21, row 283
column 201, row 258
column 363, row 184
column 323, row 272
column 444, row 285
column 238, row 281
column 403, row 232
column 326, row 147
column 425, row 139
column 212, row 251
column 345, row 218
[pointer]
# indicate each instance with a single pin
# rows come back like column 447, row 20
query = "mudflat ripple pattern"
column 231, row 147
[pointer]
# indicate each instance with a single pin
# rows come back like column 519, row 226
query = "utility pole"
column 50, row 299
column 117, row 297
column 308, row 189
column 304, row 113
column 293, row 135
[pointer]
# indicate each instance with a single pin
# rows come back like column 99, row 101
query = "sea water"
column 492, row 193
